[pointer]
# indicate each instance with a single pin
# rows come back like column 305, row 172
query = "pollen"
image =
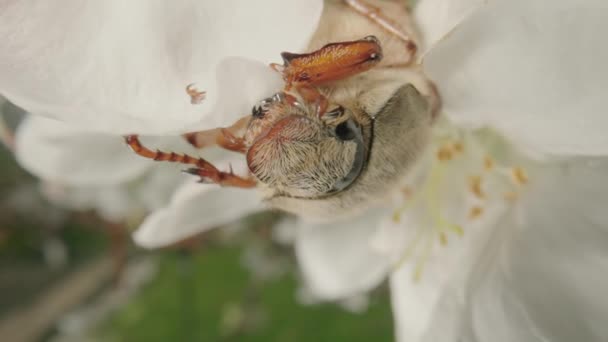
column 475, row 212
column 519, row 175
column 475, row 186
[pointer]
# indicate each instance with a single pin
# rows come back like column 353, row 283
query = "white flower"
column 499, row 233
column 193, row 209
column 503, row 237
column 530, row 267
column 122, row 66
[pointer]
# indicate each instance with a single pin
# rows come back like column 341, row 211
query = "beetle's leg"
column 222, row 178
column 196, row 96
column 227, row 137
column 312, row 96
column 202, row 168
column 375, row 14
column 219, row 136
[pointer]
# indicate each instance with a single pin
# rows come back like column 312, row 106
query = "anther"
column 475, row 187
column 458, row 147
column 475, row 212
column 488, row 163
column 444, row 153
column 519, row 175
column 396, row 216
column 443, row 238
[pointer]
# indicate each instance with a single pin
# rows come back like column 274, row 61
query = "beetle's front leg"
column 229, row 138
column 311, row 95
column 207, row 172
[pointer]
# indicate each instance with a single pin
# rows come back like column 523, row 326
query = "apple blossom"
column 498, row 233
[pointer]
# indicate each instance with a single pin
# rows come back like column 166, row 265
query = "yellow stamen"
column 443, row 238
column 519, row 175
column 475, row 212
column 421, row 246
column 409, row 250
column 488, row 163
column 457, row 229
column 442, row 224
column 428, row 247
column 458, row 147
column 491, row 179
column 475, row 186
column 396, row 216
column 444, row 154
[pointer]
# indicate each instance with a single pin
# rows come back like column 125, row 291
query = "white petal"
column 61, row 153
column 338, row 259
column 536, row 72
column 196, row 208
column 155, row 188
column 112, row 203
column 417, row 285
column 357, row 304
column 285, row 231
column 123, row 201
column 543, row 276
column 436, row 18
column 123, row 67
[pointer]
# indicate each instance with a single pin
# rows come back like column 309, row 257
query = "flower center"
column 452, row 188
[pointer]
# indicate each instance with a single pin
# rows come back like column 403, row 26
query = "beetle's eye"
column 334, row 114
column 346, row 130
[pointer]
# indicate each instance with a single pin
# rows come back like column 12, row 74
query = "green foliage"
column 210, row 297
